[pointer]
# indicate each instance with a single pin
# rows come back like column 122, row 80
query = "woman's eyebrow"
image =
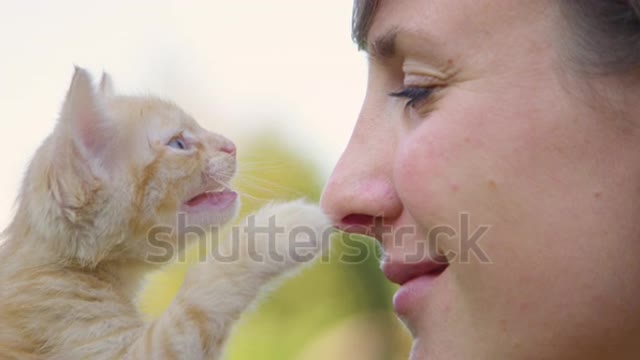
column 401, row 39
column 383, row 47
column 407, row 42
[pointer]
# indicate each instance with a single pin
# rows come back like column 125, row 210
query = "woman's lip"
column 402, row 272
column 415, row 279
column 409, row 300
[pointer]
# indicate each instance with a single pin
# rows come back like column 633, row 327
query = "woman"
column 497, row 160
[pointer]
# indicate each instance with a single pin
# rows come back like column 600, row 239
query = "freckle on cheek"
column 503, row 325
column 492, row 185
column 455, row 187
column 447, row 309
column 597, row 194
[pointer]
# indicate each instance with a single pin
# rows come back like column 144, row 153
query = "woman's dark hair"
column 604, row 35
column 363, row 13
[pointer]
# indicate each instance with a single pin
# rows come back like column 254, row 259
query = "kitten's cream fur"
column 78, row 246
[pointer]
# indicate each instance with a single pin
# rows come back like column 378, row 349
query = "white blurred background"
column 239, row 67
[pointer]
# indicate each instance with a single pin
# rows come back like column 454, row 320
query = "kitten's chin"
column 211, row 208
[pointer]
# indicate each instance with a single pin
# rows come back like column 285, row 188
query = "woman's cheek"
column 420, row 174
column 441, row 178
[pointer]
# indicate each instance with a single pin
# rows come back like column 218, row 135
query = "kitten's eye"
column 415, row 95
column 177, row 143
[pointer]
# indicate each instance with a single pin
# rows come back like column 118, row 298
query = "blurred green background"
column 340, row 308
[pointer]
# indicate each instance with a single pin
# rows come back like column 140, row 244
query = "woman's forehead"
column 440, row 23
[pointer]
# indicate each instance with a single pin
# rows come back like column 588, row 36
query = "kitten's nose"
column 228, row 147
column 220, row 143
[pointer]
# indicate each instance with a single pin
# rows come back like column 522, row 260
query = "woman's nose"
column 360, row 192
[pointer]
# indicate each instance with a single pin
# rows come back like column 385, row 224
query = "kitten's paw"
column 290, row 233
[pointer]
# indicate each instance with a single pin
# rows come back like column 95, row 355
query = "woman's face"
column 499, row 159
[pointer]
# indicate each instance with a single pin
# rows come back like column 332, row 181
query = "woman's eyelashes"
column 415, row 96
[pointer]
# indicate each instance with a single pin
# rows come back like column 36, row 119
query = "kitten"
column 114, row 168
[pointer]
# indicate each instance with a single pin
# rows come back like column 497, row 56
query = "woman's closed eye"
column 415, row 96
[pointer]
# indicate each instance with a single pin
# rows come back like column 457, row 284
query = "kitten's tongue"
column 212, row 200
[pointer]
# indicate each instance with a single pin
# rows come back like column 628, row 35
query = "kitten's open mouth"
column 211, row 200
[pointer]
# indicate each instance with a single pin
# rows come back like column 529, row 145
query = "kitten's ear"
column 106, row 85
column 84, row 118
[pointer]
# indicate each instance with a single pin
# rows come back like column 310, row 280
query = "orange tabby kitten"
column 74, row 256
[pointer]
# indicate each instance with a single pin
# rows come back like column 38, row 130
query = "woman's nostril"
column 362, row 219
column 356, row 223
